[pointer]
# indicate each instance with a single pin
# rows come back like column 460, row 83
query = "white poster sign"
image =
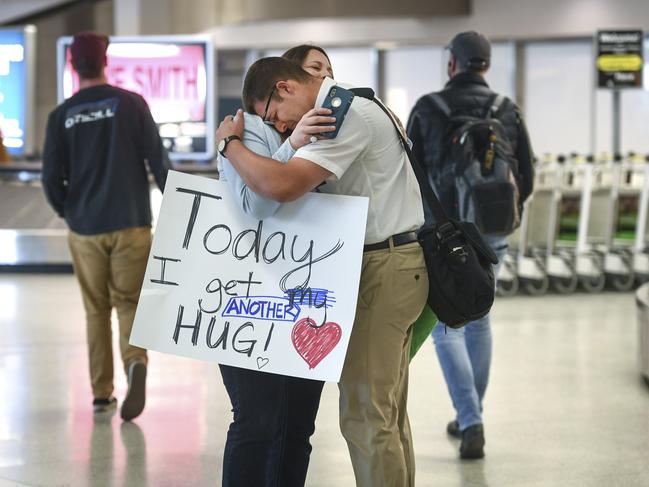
column 276, row 295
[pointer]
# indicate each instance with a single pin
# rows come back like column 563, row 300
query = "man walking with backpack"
column 474, row 146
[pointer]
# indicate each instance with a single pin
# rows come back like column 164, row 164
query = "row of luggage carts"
column 584, row 227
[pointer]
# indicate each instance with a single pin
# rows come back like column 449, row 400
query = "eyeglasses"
column 270, row 97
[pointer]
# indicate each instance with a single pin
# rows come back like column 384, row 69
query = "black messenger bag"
column 458, row 260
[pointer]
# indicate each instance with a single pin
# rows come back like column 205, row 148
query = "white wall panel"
column 410, row 73
column 558, row 96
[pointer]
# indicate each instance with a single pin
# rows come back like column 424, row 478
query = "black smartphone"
column 338, row 100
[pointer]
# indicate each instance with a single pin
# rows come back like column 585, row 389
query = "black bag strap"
column 427, row 192
column 494, row 107
column 440, row 103
column 497, row 104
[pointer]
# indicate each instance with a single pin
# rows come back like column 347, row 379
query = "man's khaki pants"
column 110, row 269
column 374, row 382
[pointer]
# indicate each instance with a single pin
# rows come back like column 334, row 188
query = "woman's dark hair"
column 299, row 53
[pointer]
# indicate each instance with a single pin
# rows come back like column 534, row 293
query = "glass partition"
column 558, row 96
column 502, row 73
column 411, row 72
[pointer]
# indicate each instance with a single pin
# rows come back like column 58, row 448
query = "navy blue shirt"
column 97, row 147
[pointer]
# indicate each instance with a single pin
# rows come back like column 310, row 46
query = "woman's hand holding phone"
column 312, row 124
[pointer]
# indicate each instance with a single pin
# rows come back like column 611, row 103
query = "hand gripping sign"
column 276, row 295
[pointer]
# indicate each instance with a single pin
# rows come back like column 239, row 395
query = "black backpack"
column 479, row 167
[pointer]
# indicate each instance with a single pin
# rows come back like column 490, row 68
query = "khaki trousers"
column 110, row 269
column 374, row 382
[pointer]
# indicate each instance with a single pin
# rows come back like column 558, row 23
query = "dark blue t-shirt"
column 97, row 148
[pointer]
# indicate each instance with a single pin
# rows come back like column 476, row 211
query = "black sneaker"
column 453, row 429
column 136, row 394
column 104, row 405
column 473, row 442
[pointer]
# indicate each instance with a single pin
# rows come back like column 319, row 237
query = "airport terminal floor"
column 566, row 405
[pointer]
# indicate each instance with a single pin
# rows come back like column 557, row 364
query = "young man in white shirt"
column 365, row 159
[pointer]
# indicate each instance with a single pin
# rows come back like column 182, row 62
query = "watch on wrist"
column 223, row 143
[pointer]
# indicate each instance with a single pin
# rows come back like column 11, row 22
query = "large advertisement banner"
column 174, row 74
column 276, row 295
column 171, row 77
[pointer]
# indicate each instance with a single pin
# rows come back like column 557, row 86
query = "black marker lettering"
column 162, row 279
column 255, row 244
column 249, row 282
column 196, row 326
column 209, row 289
column 308, row 255
column 280, row 251
column 194, row 213
column 222, row 339
column 207, row 236
column 246, row 351
column 270, row 335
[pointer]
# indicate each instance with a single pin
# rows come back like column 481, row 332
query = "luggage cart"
column 593, row 221
column 563, row 213
column 507, row 278
column 622, row 214
column 572, row 253
column 641, row 247
column 529, row 244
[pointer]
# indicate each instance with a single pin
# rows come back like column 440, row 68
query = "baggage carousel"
column 32, row 237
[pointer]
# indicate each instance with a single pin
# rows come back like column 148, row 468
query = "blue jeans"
column 465, row 357
column 274, row 417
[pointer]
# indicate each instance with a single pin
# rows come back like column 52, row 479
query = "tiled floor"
column 566, row 405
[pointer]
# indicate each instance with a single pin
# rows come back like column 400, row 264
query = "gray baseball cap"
column 471, row 49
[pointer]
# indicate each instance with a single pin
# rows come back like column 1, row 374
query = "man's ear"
column 452, row 65
column 286, row 87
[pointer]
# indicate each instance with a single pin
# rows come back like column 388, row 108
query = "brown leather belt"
column 397, row 240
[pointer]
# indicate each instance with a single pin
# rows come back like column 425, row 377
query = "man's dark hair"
column 299, row 53
column 472, row 51
column 264, row 74
column 88, row 54
column 88, row 69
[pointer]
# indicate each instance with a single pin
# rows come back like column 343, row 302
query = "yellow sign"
column 616, row 62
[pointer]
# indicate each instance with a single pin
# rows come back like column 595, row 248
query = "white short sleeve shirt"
column 367, row 159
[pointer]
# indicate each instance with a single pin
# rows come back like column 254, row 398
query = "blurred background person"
column 465, row 354
column 97, row 147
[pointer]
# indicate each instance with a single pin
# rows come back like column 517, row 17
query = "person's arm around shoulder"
column 152, row 149
column 256, row 140
column 265, row 176
column 261, row 139
column 54, row 175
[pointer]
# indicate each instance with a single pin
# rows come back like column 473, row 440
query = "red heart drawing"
column 312, row 342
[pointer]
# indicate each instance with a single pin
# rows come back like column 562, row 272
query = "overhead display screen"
column 174, row 75
column 15, row 87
